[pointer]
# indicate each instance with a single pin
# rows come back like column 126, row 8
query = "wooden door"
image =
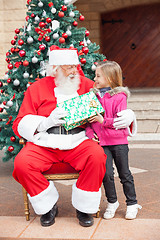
column 131, row 37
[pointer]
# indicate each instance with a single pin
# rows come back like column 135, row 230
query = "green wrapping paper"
column 80, row 109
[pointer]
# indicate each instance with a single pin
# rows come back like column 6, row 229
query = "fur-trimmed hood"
column 119, row 90
column 115, row 91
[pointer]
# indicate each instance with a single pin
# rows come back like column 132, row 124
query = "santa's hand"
column 40, row 138
column 53, row 120
column 124, row 119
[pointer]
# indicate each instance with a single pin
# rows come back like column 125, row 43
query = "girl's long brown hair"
column 112, row 72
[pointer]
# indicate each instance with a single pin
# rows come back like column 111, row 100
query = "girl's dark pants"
column 118, row 153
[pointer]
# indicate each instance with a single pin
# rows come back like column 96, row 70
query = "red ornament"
column 42, row 47
column 22, row 53
column 13, row 139
column 83, row 60
column 12, row 50
column 81, row 18
column 64, row 35
column 87, row 33
column 7, row 54
column 17, row 49
column 25, row 63
column 17, row 31
column 48, row 39
column 9, row 80
column 1, row 84
column 32, row 15
column 48, row 20
column 28, row 1
column 81, row 43
column 61, row 14
column 64, row 8
column 27, row 18
column 85, row 50
column 4, row 102
column 10, row 148
column 62, row 40
column 75, row 23
column 39, row 52
column 1, row 109
column 15, row 37
column 50, row 4
column 2, row 90
column 13, row 42
column 96, row 63
column 17, row 64
column 40, row 37
column 8, row 60
column 10, row 66
column 42, row 24
column 0, row 120
column 104, row 60
column 20, row 42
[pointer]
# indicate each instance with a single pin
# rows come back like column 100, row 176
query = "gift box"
column 80, row 109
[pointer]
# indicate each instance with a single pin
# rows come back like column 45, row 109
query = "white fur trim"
column 59, row 94
column 28, row 125
column 44, row 201
column 63, row 57
column 134, row 128
column 60, row 141
column 85, row 201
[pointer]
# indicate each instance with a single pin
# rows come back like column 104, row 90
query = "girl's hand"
column 95, row 139
column 98, row 118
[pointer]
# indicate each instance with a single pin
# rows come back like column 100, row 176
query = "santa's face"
column 67, row 79
column 69, row 70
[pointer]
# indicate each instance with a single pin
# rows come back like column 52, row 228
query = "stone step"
column 145, row 140
column 144, row 105
column 145, row 137
column 148, row 125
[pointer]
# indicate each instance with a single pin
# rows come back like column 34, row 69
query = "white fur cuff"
column 133, row 132
column 85, row 201
column 28, row 125
column 44, row 201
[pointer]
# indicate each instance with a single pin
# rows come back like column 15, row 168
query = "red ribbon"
column 42, row 32
column 10, row 118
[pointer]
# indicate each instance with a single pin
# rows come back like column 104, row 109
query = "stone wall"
column 13, row 13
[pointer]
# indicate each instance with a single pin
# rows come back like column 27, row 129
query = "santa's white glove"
column 53, row 120
column 124, row 119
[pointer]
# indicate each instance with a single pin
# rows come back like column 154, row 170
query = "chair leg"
column 97, row 213
column 26, row 204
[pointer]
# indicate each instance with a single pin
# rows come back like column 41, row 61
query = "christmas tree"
column 47, row 23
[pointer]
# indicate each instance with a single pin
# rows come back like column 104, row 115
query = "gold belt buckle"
column 60, row 130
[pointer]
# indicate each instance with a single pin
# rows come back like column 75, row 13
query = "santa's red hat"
column 63, row 56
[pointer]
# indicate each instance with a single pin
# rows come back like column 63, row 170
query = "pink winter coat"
column 113, row 102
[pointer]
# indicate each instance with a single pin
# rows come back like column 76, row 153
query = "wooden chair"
column 59, row 171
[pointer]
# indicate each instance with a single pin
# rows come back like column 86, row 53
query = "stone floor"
column 145, row 166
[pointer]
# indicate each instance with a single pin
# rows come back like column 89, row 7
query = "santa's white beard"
column 67, row 85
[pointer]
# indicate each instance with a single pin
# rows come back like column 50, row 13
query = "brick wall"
column 12, row 16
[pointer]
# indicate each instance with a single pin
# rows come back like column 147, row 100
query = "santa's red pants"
column 88, row 159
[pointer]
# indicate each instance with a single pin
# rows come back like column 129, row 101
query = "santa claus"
column 39, row 122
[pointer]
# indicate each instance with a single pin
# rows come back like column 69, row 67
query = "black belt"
column 62, row 130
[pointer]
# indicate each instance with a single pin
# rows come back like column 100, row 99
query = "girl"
column 113, row 97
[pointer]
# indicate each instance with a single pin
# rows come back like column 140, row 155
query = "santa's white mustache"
column 72, row 76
